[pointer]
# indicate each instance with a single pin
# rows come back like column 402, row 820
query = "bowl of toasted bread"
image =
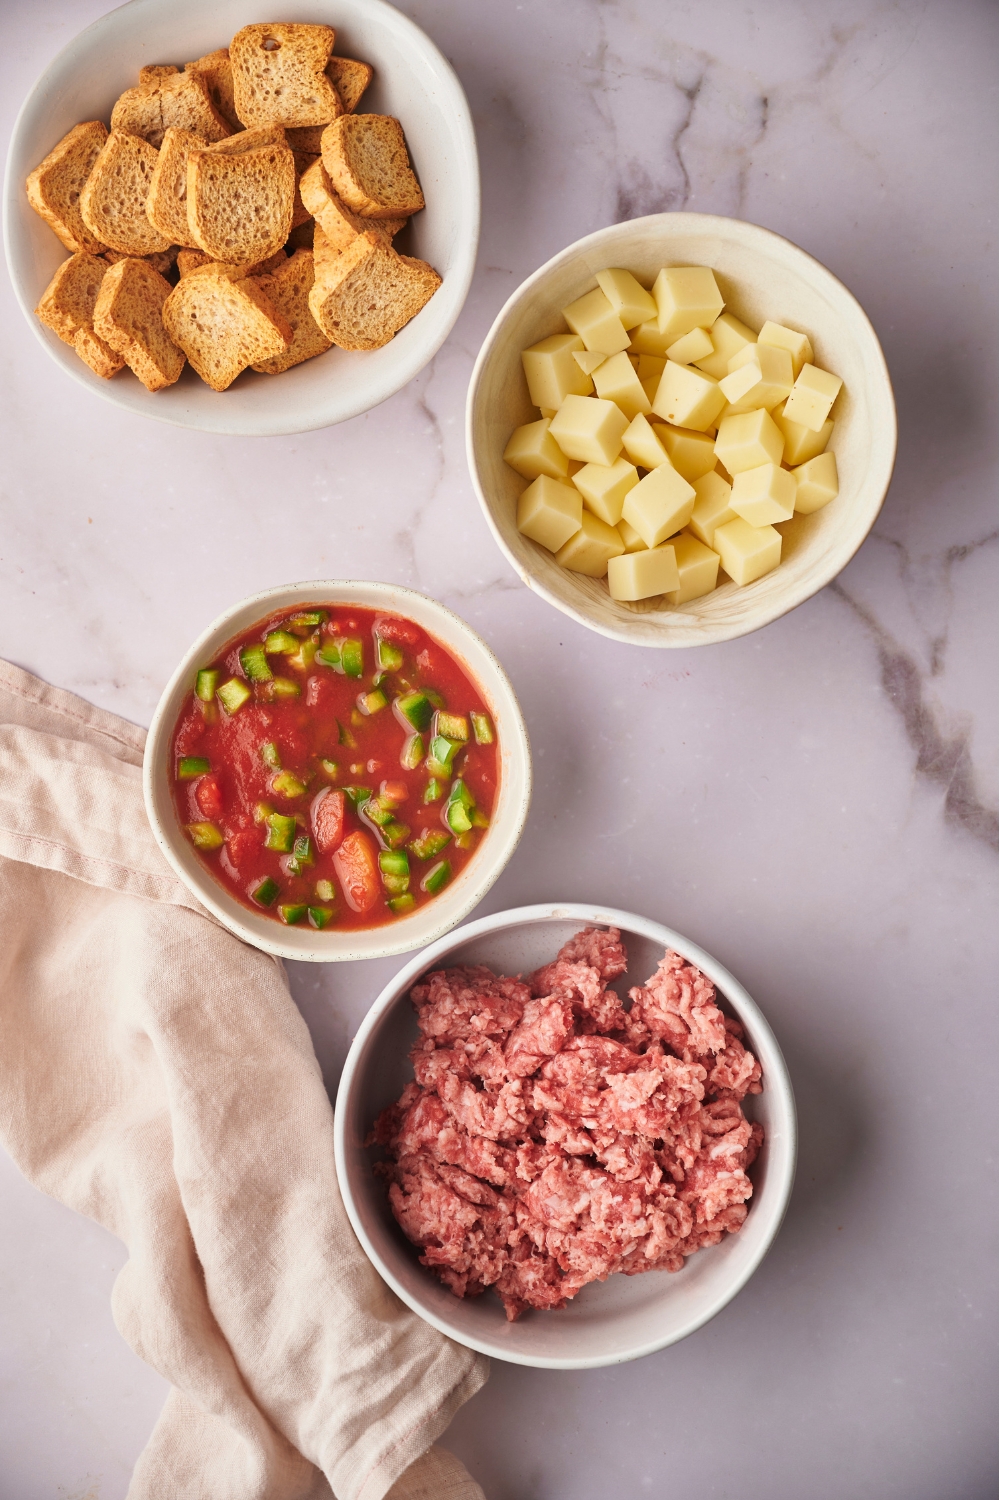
column 244, row 225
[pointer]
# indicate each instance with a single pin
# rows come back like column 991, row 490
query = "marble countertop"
column 815, row 804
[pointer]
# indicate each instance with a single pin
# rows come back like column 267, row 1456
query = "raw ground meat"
column 552, row 1137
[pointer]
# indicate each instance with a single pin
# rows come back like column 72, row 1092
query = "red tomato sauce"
column 334, row 767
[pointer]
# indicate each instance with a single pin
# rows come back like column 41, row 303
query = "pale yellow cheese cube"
column 591, row 548
column 691, row 347
column 615, row 380
column 687, row 397
column 642, row 445
column 532, row 450
column 691, row 453
column 801, row 444
column 697, row 569
column 604, row 488
column 643, row 575
column 549, row 512
column 587, row 428
column 747, row 552
column 650, row 367
column 728, row 337
column 763, row 495
column 711, row 507
column 813, row 394
column 759, row 376
column 630, row 301
column 686, row 297
column 660, row 504
column 781, row 337
column 588, row 359
column 552, row 373
column 597, row 323
column 647, row 339
column 633, row 542
column 816, row 483
column 747, row 440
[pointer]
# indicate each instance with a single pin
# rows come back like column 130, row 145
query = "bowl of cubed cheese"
column 680, row 428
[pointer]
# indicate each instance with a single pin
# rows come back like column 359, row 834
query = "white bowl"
column 607, row 1323
column 426, row 923
column 761, row 276
column 412, row 81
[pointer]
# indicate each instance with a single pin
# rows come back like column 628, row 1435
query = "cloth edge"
column 66, row 705
column 392, row 1464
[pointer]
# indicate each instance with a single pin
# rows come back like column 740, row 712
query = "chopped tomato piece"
column 208, row 797
column 328, row 819
column 357, row 872
column 396, row 791
column 242, row 844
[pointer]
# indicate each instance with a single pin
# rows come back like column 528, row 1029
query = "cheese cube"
column 697, row 569
column 630, row 301
column 763, row 495
column 748, row 440
column 759, row 376
column 532, row 450
column 589, row 429
column 590, row 549
column 660, row 504
column 711, row 507
column 728, row 337
column 686, row 297
column 630, row 537
column 552, row 373
column 691, row 453
column 691, row 347
column 604, row 488
column 687, row 397
column 800, row 443
column 797, row 344
column 597, row 323
column 650, row 367
column 642, row 575
column 647, row 339
column 549, row 512
column 813, row 394
column 747, row 552
column 816, row 483
column 588, row 359
column 642, row 445
column 615, row 380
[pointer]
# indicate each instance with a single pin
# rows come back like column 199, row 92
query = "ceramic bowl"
column 607, row 1323
column 426, row 923
column 412, row 81
column 761, row 276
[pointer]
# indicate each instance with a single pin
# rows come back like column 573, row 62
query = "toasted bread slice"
column 364, row 295
column 303, row 161
column 223, row 326
column 306, row 138
column 251, row 140
column 339, row 225
column 166, row 205
column 113, row 201
column 240, row 208
column 67, row 307
column 365, row 157
column 55, row 185
column 350, row 78
column 288, row 291
column 279, row 74
column 217, row 71
column 128, row 316
column 180, row 100
column 190, row 261
column 154, row 71
column 162, row 260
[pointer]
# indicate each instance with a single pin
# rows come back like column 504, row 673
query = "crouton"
column 279, row 74
column 180, row 100
column 67, row 307
column 113, row 201
column 128, row 317
column 217, row 71
column 223, row 326
column 350, row 78
column 366, row 160
column 339, row 225
column 288, row 292
column 366, row 293
column 240, row 207
column 166, row 205
column 55, row 186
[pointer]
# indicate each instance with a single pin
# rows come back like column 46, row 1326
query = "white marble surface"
column 815, row 804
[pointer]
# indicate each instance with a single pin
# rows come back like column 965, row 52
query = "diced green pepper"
column 393, row 862
column 395, row 833
column 459, row 792
column 254, row 663
column 429, row 843
column 357, row 796
column 329, row 768
column 325, row 890
column 433, row 791
column 353, row 657
column 301, row 855
column 436, row 878
column 269, row 755
column 266, row 892
column 400, row 905
column 280, row 833
column 287, row 784
column 281, row 687
column 303, row 658
column 415, row 710
column 378, row 812
column 190, row 766
column 307, row 620
column 434, row 697
column 280, row 643
column 233, row 694
column 412, row 752
column 452, row 726
column 441, row 754
column 388, row 656
column 329, row 654
column 373, row 702
column 321, row 916
column 457, row 818
column 262, row 812
column 205, row 836
column 205, row 684
column 291, row 914
column 482, row 728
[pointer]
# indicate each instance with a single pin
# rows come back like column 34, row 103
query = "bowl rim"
column 703, row 224
column 777, row 1076
column 212, row 895
column 222, row 419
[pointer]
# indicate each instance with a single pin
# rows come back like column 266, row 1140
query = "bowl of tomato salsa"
column 338, row 770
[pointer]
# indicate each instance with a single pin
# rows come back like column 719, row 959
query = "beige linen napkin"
column 156, row 1076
